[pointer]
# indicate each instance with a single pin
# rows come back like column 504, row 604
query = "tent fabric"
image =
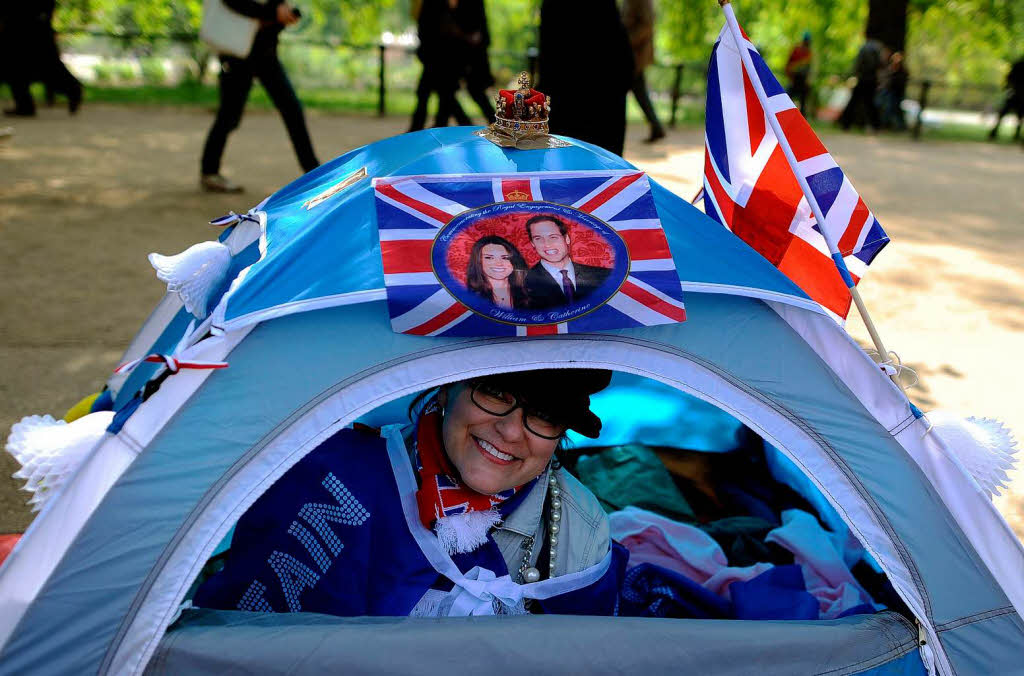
column 304, row 328
column 182, row 494
column 53, row 530
column 970, row 644
column 216, row 642
column 970, row 506
column 330, row 254
column 169, row 329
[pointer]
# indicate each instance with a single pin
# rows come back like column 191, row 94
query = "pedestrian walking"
column 862, row 108
column 798, row 70
column 236, row 78
column 894, row 90
column 471, row 18
column 441, row 52
column 586, row 67
column 29, row 53
column 1014, row 102
column 638, row 19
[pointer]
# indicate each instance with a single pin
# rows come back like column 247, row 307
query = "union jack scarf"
column 460, row 516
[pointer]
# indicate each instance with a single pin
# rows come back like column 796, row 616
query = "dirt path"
column 83, row 200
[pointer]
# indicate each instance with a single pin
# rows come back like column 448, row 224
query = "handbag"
column 226, row 31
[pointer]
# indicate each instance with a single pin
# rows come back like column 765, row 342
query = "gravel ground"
column 84, row 199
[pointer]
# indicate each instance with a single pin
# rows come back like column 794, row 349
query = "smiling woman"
column 367, row 523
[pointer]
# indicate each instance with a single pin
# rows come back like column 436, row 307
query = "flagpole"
column 812, row 201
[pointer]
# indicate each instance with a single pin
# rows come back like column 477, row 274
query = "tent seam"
column 974, row 619
column 903, row 424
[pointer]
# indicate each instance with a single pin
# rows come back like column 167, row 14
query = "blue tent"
column 301, row 318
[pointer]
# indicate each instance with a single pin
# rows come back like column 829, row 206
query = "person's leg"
column 449, row 106
column 56, row 75
column 61, row 80
column 643, row 98
column 801, row 89
column 235, row 81
column 275, row 81
column 856, row 110
column 17, row 54
column 423, row 89
column 461, row 118
column 847, row 116
column 871, row 102
column 482, row 100
column 999, row 119
column 24, row 104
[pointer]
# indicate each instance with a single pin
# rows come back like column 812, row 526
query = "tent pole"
column 837, row 257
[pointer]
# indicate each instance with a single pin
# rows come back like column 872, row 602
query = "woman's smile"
column 491, row 453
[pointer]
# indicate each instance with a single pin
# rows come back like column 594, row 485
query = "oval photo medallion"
column 529, row 263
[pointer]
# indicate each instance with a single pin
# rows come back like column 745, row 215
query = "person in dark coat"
column 586, row 67
column 638, row 19
column 29, row 53
column 441, row 53
column 236, row 76
column 1014, row 99
column 557, row 280
column 862, row 106
column 798, row 70
column 894, row 90
column 471, row 18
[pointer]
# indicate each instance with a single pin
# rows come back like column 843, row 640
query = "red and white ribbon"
column 173, row 364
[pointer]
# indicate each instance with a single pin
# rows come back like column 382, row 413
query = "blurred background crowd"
column 946, row 67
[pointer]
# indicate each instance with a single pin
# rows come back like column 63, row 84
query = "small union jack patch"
column 524, row 254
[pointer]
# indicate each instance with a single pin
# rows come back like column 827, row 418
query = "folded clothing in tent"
column 680, row 564
column 719, row 524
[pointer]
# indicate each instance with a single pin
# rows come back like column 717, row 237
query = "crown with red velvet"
column 522, row 112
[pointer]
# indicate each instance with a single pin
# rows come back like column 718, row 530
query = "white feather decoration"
column 49, row 450
column 463, row 533
column 984, row 446
column 194, row 274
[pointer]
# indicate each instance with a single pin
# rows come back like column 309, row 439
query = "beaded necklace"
column 527, row 572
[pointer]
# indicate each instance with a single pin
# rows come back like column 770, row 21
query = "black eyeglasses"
column 496, row 401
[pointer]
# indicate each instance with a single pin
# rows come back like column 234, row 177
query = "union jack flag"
column 750, row 188
column 413, row 212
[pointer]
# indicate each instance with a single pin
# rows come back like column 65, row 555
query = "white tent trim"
column 211, row 524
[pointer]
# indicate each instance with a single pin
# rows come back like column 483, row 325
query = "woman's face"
column 497, row 262
column 492, row 453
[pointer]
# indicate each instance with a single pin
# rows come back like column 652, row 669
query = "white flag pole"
column 755, row 81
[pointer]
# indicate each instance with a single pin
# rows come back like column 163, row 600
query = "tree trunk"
column 887, row 23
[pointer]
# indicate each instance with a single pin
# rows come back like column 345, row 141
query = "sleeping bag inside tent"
column 771, row 486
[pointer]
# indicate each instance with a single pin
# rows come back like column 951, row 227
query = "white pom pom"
column 984, row 446
column 194, row 274
column 50, row 450
column 465, row 532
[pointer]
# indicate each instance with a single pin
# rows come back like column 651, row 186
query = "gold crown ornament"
column 521, row 119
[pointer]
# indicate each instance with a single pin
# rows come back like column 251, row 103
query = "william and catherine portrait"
column 498, row 271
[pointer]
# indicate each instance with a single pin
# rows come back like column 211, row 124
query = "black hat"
column 562, row 393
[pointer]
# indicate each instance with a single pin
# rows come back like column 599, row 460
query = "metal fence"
column 132, row 58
